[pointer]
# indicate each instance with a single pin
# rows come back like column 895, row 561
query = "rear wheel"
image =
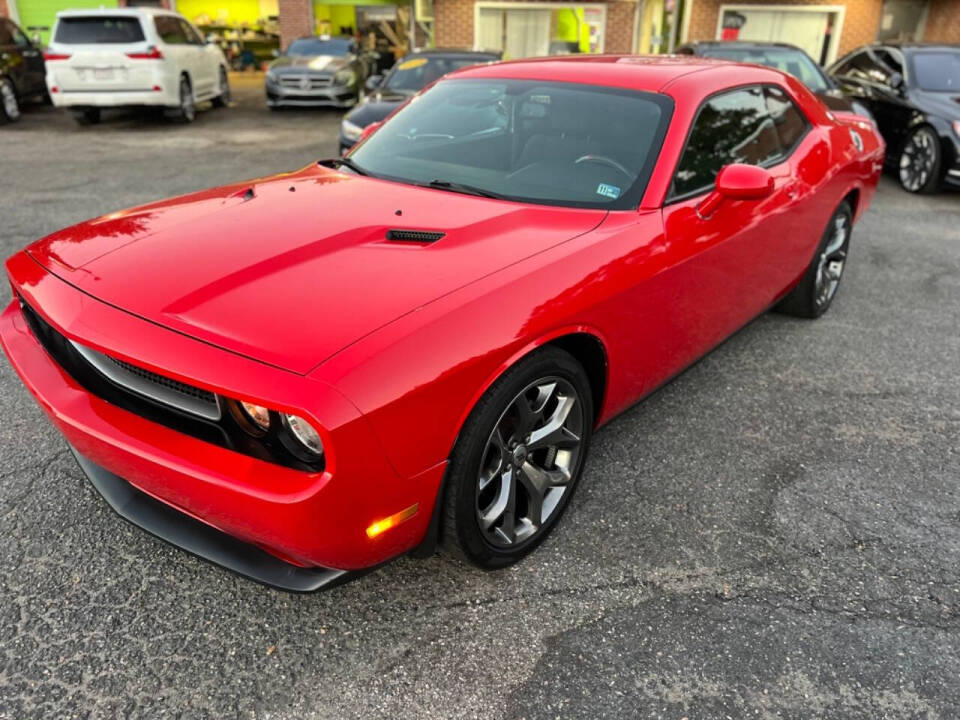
column 223, row 99
column 87, row 116
column 9, row 106
column 186, row 111
column 812, row 296
column 920, row 158
column 518, row 460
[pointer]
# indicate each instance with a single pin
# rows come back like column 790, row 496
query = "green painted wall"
column 42, row 13
column 235, row 12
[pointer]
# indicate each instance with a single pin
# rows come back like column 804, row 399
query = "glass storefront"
column 528, row 30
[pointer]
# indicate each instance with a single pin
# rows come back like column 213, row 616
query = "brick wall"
column 453, row 24
column 943, row 22
column 4, row 11
column 860, row 22
column 296, row 20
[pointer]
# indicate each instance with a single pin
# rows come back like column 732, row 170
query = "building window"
column 528, row 30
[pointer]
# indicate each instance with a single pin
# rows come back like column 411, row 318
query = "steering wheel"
column 604, row 160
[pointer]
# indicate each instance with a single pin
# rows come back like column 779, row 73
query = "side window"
column 193, row 37
column 891, row 62
column 787, row 119
column 866, row 68
column 845, row 66
column 170, row 30
column 734, row 127
column 19, row 39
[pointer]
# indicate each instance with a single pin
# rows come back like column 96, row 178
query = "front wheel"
column 518, row 460
column 813, row 294
column 9, row 106
column 920, row 157
column 223, row 99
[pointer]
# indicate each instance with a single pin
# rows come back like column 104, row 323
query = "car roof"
column 457, row 52
column 745, row 44
column 131, row 11
column 637, row 72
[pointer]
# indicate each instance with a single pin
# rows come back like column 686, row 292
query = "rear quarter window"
column 99, row 29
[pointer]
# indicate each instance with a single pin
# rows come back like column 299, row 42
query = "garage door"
column 801, row 28
column 42, row 13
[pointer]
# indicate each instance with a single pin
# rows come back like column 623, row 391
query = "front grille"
column 306, row 82
column 157, row 398
column 159, row 388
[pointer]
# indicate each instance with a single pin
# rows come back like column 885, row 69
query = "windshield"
column 937, row 71
column 525, row 140
column 794, row 62
column 415, row 74
column 98, row 29
column 310, row 47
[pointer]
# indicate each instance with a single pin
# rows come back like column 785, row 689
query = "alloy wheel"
column 8, row 97
column 917, row 161
column 529, row 462
column 832, row 260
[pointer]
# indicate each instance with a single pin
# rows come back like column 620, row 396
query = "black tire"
column 9, row 104
column 223, row 99
column 920, row 161
column 461, row 530
column 813, row 295
column 88, row 116
column 186, row 111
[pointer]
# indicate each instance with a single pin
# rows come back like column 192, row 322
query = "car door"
column 180, row 55
column 33, row 67
column 204, row 71
column 727, row 267
column 865, row 77
column 893, row 110
column 11, row 62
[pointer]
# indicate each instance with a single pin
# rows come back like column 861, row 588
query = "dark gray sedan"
column 318, row 71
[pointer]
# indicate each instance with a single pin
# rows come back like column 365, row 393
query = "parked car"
column 318, row 71
column 785, row 57
column 913, row 92
column 303, row 376
column 135, row 57
column 21, row 71
column 404, row 80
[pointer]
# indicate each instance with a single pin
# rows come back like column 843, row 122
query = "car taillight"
column 48, row 56
column 152, row 53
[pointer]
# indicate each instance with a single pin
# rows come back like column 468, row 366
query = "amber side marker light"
column 381, row 526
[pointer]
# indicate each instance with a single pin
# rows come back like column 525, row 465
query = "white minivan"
column 132, row 57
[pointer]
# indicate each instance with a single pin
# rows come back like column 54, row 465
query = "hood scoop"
column 416, row 236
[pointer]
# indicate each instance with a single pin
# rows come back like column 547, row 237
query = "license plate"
column 103, row 73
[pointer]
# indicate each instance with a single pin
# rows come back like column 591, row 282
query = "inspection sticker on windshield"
column 412, row 64
column 610, row 191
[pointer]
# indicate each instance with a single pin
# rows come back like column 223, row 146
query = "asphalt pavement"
column 775, row 534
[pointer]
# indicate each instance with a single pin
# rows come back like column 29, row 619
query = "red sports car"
column 303, row 376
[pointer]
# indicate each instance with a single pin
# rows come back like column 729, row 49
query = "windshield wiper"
column 343, row 162
column 465, row 189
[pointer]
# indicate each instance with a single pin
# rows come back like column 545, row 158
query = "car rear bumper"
column 314, row 520
column 113, row 98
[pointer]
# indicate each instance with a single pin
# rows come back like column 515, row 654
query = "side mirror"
column 737, row 182
column 373, row 82
column 896, row 81
column 370, row 130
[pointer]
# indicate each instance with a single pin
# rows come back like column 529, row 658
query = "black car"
column 786, row 58
column 406, row 78
column 318, row 71
column 22, row 72
column 913, row 92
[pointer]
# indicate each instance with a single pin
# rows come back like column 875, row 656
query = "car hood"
column 290, row 269
column 376, row 108
column 326, row 63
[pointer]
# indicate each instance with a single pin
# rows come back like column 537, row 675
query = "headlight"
column 271, row 76
column 304, row 433
column 350, row 130
column 345, row 77
column 256, row 415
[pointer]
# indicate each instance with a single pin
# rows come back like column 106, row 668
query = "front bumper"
column 339, row 96
column 314, row 520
